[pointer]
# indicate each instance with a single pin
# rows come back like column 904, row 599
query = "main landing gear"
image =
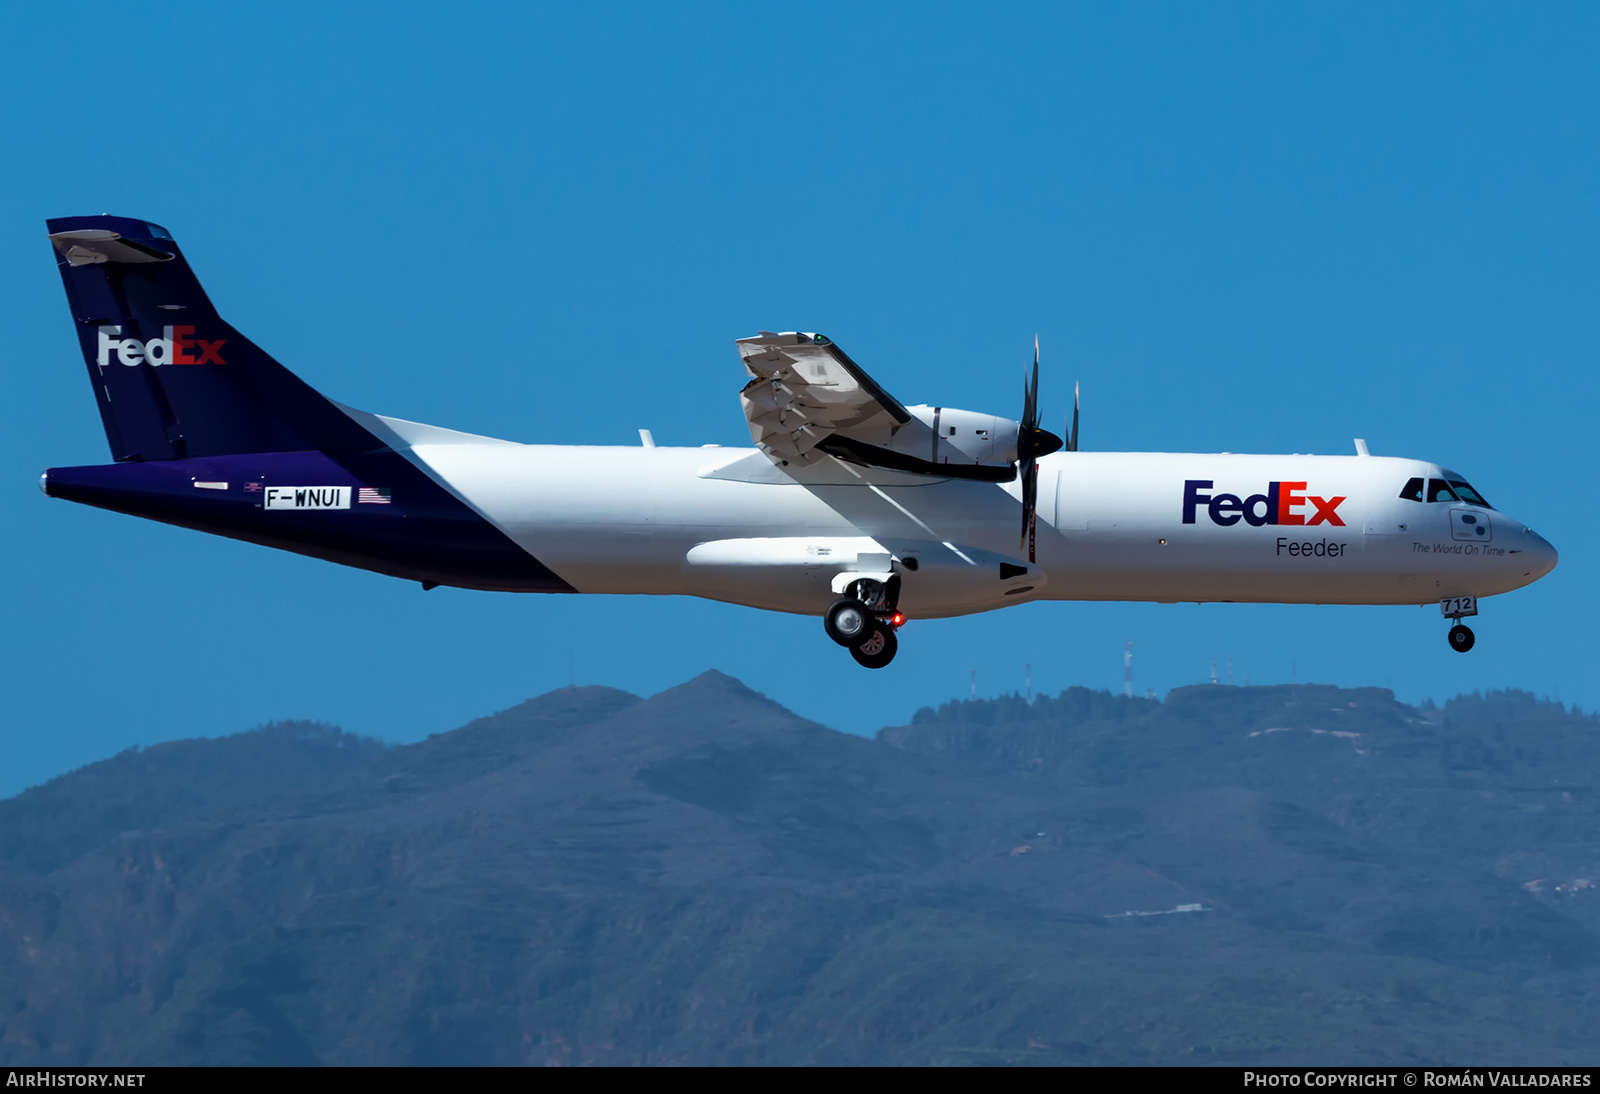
column 879, row 648
column 1461, row 638
column 864, row 621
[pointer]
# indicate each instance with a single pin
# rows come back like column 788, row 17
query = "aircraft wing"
column 806, row 400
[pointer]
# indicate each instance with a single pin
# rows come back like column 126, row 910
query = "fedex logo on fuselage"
column 1277, row 505
column 174, row 347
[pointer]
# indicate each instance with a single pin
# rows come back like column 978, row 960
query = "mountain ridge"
column 702, row 876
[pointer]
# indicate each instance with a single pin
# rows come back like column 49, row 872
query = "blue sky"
column 1248, row 227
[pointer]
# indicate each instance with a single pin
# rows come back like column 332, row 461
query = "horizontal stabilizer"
column 89, row 246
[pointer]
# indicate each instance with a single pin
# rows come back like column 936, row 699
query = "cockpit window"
column 1468, row 494
column 1412, row 490
column 1439, row 490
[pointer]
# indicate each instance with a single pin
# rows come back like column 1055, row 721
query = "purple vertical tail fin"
column 171, row 378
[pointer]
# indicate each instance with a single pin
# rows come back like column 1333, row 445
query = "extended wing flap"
column 805, row 390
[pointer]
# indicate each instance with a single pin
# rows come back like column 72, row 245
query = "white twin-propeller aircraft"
column 851, row 506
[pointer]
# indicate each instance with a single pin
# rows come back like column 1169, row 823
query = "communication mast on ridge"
column 1213, row 670
column 1028, row 672
column 1127, row 668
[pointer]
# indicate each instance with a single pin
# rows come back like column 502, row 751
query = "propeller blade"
column 1030, row 496
column 1030, row 393
column 1032, row 442
column 1072, row 434
column 1033, row 388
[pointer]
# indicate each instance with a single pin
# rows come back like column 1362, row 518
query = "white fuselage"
column 725, row 524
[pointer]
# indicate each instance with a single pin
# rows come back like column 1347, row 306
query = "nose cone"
column 1538, row 556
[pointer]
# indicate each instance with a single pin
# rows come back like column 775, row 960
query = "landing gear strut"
column 864, row 621
column 1456, row 608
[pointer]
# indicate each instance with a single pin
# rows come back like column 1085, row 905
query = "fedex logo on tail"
column 1283, row 503
column 174, row 347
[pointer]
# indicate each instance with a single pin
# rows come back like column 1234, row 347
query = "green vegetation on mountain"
column 139, row 789
column 1274, row 875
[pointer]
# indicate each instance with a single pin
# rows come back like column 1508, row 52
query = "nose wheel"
column 1455, row 609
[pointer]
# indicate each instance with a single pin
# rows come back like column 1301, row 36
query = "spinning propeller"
column 1033, row 442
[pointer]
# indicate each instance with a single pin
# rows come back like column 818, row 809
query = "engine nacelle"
column 959, row 437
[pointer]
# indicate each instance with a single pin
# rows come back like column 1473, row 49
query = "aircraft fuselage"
column 724, row 524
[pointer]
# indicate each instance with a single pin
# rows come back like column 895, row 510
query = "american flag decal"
column 373, row 495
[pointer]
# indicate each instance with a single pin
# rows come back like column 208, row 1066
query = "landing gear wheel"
column 848, row 622
column 1461, row 638
column 879, row 649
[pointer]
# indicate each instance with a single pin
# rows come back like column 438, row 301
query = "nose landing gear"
column 864, row 621
column 1455, row 609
